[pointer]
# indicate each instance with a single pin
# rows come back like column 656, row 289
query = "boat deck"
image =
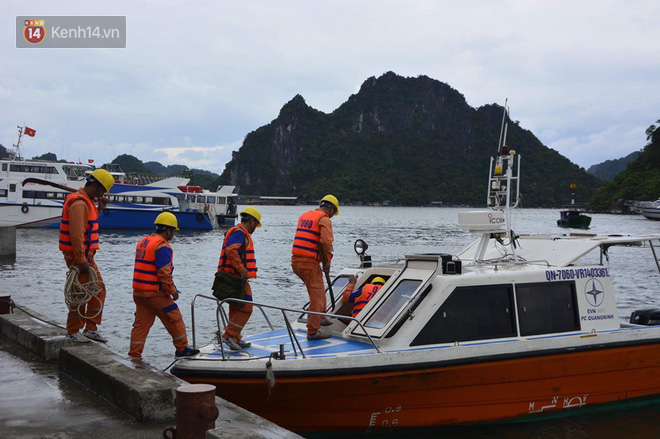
column 264, row 344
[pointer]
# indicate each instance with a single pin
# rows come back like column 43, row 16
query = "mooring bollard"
column 195, row 412
column 6, row 305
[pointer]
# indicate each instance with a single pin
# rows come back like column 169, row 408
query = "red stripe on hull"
column 479, row 392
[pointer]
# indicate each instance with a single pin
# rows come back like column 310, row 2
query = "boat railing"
column 221, row 315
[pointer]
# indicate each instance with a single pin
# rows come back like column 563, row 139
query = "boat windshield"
column 74, row 172
column 339, row 284
column 401, row 294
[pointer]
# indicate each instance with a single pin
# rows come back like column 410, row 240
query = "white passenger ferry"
column 32, row 193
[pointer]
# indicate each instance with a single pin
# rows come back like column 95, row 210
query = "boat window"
column 12, row 188
column 547, row 308
column 471, row 313
column 221, row 200
column 191, row 198
column 338, row 285
column 161, row 201
column 3, row 192
column 401, row 294
column 148, row 200
column 31, row 168
column 139, row 199
column 61, row 195
column 180, row 196
column 200, row 199
column 210, row 199
column 50, row 194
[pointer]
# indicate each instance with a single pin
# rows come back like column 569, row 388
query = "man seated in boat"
column 362, row 295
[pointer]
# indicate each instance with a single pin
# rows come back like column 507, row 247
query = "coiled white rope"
column 77, row 294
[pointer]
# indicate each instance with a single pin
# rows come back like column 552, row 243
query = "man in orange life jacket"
column 79, row 240
column 363, row 295
column 237, row 257
column 312, row 244
column 154, row 291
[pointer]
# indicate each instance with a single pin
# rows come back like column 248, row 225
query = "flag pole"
column 17, row 154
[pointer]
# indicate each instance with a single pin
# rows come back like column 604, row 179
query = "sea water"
column 36, row 280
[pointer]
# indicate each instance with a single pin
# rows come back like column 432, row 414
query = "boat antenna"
column 502, row 140
column 17, row 147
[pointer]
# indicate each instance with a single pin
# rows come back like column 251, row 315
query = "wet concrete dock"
column 51, row 388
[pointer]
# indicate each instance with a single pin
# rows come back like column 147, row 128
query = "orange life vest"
column 308, row 235
column 145, row 272
column 92, row 232
column 246, row 253
column 368, row 292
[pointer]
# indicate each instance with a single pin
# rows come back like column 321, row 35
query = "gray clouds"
column 196, row 77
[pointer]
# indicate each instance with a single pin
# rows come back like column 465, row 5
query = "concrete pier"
column 7, row 245
column 141, row 394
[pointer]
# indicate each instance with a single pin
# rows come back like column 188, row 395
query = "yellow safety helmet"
column 254, row 213
column 378, row 280
column 332, row 200
column 167, row 219
column 103, row 177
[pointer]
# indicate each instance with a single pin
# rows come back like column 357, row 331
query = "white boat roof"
column 170, row 182
column 226, row 190
column 555, row 250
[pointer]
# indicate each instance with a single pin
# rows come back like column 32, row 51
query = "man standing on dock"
column 312, row 244
column 237, row 258
column 154, row 291
column 79, row 241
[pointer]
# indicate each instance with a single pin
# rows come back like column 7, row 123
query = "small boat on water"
column 573, row 217
column 649, row 210
column 32, row 193
column 514, row 327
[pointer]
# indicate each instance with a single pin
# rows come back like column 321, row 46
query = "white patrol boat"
column 513, row 327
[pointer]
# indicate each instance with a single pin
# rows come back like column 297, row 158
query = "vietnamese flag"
column 30, row 132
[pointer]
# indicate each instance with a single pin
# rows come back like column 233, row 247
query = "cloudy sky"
column 197, row 76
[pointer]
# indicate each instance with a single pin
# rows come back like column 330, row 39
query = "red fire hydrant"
column 195, row 412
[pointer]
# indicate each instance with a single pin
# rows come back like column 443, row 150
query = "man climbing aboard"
column 154, row 291
column 312, row 244
column 237, row 258
column 363, row 295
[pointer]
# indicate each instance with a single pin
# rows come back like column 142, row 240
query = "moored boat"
column 650, row 211
column 513, row 327
column 573, row 217
column 32, row 193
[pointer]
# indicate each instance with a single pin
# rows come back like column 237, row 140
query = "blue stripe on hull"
column 144, row 219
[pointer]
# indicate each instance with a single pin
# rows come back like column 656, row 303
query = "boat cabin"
column 429, row 302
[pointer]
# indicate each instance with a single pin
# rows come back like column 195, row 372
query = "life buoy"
column 25, row 209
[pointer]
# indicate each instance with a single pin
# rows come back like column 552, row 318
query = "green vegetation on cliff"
column 639, row 181
column 406, row 140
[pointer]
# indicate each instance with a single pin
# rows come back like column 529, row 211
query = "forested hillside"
column 639, row 181
column 609, row 169
column 410, row 141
